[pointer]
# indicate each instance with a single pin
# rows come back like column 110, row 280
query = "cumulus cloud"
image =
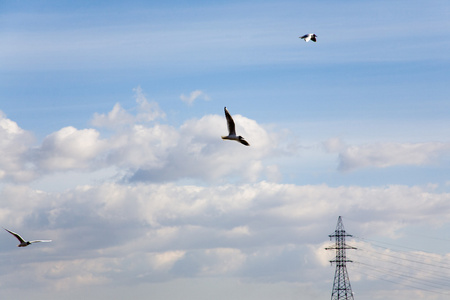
column 69, row 149
column 14, row 146
column 196, row 150
column 154, row 227
column 146, row 111
column 193, row 96
column 118, row 116
column 383, row 155
column 141, row 149
column 158, row 232
column 158, row 152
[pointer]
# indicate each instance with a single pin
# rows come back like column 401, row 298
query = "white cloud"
column 157, row 232
column 192, row 151
column 119, row 117
column 138, row 148
column 69, row 149
column 194, row 95
column 14, row 145
column 116, row 117
column 195, row 150
column 157, row 228
column 142, row 147
column 147, row 111
column 238, row 231
column 383, row 155
column 165, row 260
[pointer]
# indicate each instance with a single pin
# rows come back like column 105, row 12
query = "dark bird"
column 232, row 131
column 24, row 243
column 309, row 36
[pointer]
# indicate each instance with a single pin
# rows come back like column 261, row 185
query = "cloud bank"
column 158, row 232
column 182, row 204
column 384, row 155
column 141, row 147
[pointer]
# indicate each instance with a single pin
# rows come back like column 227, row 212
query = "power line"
column 411, row 278
column 433, row 273
column 406, row 259
column 421, row 270
column 374, row 243
column 400, row 283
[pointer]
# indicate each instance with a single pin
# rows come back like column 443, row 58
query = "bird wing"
column 43, row 241
column 21, row 240
column 304, row 37
column 244, row 142
column 230, row 123
column 313, row 38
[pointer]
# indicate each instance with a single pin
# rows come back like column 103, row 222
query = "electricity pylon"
column 341, row 285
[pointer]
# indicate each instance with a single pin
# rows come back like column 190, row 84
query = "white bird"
column 24, row 243
column 232, row 131
column 309, row 36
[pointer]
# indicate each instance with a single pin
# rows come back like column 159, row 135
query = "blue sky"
column 110, row 125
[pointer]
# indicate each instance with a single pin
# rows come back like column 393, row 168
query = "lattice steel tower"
column 341, row 285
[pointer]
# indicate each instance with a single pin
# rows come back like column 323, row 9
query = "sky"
column 111, row 114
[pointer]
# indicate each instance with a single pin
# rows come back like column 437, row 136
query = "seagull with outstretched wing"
column 24, row 243
column 232, row 130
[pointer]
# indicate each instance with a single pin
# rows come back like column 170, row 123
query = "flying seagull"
column 24, row 243
column 309, row 36
column 232, row 131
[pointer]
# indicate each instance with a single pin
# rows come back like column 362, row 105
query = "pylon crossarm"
column 341, row 247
